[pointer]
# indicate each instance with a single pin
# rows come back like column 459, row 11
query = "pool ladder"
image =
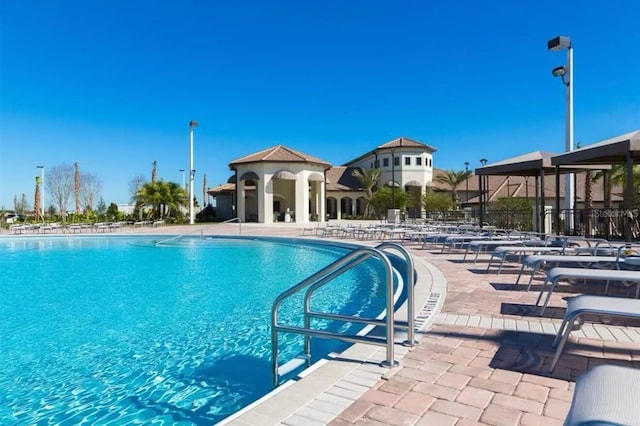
column 326, row 275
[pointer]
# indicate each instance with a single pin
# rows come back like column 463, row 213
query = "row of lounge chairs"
column 78, row 228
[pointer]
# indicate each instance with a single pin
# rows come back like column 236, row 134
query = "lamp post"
column 183, row 183
column 466, row 184
column 192, row 172
column 41, row 190
column 565, row 72
column 393, row 183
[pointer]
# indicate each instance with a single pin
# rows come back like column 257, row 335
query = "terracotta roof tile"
column 278, row 154
column 405, row 142
column 340, row 178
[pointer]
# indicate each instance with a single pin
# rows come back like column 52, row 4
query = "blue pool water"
column 117, row 330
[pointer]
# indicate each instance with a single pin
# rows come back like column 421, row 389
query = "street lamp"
column 41, row 190
column 192, row 172
column 183, row 184
column 466, row 183
column 565, row 72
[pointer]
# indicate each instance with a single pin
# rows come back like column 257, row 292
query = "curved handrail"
column 332, row 270
column 410, row 270
column 175, row 237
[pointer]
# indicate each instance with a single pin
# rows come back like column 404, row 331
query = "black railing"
column 602, row 223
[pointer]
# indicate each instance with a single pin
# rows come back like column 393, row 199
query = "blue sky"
column 112, row 85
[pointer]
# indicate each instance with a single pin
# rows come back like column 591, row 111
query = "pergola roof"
column 530, row 165
column 609, row 151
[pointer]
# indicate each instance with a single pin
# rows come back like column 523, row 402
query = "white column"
column 322, row 206
column 301, row 193
column 240, row 202
column 265, row 199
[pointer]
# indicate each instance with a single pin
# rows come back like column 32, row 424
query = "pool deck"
column 482, row 357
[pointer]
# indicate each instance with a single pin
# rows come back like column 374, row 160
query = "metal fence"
column 603, row 223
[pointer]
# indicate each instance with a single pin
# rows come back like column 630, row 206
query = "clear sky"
column 113, row 84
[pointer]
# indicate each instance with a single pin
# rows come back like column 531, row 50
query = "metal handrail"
column 409, row 325
column 411, row 291
column 201, row 230
column 322, row 277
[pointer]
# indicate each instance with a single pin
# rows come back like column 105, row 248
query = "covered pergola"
column 537, row 164
column 623, row 149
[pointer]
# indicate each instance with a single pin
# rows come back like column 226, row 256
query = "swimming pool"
column 117, row 330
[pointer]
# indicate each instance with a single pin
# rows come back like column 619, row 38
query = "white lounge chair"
column 556, row 274
column 535, row 262
column 620, row 307
column 606, row 395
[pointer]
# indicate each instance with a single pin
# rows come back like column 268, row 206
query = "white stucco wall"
column 292, row 196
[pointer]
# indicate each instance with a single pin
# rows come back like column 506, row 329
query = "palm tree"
column 76, row 187
column 162, row 196
column 37, row 213
column 369, row 179
column 204, row 190
column 154, row 172
column 453, row 179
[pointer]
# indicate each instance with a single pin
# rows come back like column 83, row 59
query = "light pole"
column 393, row 183
column 41, row 190
column 466, row 184
column 566, row 73
column 183, row 182
column 192, row 172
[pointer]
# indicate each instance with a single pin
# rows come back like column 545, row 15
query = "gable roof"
column 278, row 154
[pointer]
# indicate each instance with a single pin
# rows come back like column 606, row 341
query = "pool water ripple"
column 119, row 331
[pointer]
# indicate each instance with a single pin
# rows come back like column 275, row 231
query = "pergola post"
column 481, row 199
column 557, row 214
column 542, row 202
column 628, row 195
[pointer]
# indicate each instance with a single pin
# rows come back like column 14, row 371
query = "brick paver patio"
column 486, row 360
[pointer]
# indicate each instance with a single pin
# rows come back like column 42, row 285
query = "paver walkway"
column 486, row 360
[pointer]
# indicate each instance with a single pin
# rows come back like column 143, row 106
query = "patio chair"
column 606, row 395
column 556, row 274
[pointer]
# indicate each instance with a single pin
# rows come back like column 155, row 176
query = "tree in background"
column 511, row 213
column 90, row 188
column 37, row 213
column 436, row 202
column 163, row 197
column 154, row 172
column 112, row 212
column 204, row 190
column 60, row 187
column 368, row 178
column 76, row 187
column 101, row 208
column 382, row 200
column 453, row 179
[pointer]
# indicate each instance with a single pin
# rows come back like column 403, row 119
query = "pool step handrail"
column 326, row 275
column 409, row 325
column 201, row 230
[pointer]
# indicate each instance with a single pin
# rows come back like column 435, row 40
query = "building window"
column 372, row 164
column 385, row 162
column 407, row 161
column 429, row 162
column 396, row 161
column 377, row 164
column 418, row 161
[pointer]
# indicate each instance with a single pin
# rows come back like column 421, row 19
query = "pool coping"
column 320, row 393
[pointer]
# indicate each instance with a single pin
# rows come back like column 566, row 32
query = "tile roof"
column 340, row 178
column 278, row 154
column 405, row 142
